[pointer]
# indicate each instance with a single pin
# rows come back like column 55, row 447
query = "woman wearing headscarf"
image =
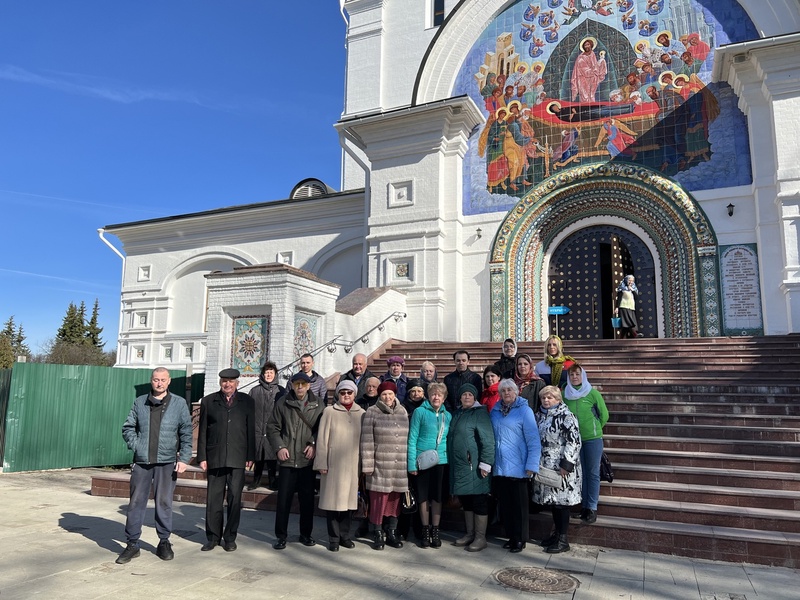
column 491, row 380
column 516, row 460
column 589, row 408
column 627, row 295
column 428, row 431
column 265, row 394
column 553, row 369
column 470, row 444
column 528, row 382
column 561, row 447
column 508, row 358
column 338, row 440
column 384, row 446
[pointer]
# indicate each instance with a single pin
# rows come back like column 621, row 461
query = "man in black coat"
column 225, row 446
column 459, row 377
column 359, row 374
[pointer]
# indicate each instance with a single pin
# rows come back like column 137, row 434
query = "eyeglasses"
column 348, row 392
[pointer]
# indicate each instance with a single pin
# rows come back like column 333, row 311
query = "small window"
column 438, row 12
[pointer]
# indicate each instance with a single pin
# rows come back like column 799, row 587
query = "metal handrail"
column 286, row 371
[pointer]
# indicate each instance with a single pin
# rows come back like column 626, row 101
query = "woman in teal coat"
column 470, row 445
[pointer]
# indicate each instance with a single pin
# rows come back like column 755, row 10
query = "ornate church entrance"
column 584, row 272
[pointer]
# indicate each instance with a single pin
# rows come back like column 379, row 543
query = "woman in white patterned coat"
column 561, row 448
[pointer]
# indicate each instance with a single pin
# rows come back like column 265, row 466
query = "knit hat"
column 468, row 387
column 387, row 385
column 346, row 384
column 395, row 359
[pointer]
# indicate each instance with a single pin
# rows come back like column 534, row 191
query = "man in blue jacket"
column 158, row 429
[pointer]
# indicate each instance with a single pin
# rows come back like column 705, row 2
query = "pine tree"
column 19, row 345
column 73, row 327
column 93, row 329
column 6, row 352
column 9, row 329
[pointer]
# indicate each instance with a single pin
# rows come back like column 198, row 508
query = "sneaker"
column 164, row 550
column 131, row 551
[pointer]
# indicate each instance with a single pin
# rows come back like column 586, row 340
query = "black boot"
column 392, row 538
column 435, row 541
column 562, row 545
column 425, row 540
column 255, row 484
column 549, row 540
column 378, row 539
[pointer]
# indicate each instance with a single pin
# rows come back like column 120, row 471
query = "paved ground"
column 61, row 542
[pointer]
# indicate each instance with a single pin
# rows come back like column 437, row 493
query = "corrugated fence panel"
column 62, row 416
column 5, row 392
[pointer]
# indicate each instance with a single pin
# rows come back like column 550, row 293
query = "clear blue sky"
column 117, row 111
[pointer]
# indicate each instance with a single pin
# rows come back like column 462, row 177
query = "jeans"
column 159, row 476
column 591, row 452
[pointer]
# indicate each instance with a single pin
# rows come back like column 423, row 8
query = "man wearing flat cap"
column 225, row 447
column 292, row 430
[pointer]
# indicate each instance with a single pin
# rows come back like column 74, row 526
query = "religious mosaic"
column 250, row 344
column 305, row 334
column 564, row 83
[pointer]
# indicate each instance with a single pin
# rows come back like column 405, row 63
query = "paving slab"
column 61, row 542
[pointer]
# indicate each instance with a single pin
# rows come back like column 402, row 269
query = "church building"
column 504, row 161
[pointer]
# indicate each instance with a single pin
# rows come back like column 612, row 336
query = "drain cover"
column 536, row 580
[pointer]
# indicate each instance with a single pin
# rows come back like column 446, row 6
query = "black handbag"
column 606, row 470
column 408, row 502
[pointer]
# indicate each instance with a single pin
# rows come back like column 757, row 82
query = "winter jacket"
column 226, row 436
column 561, row 449
column 470, row 442
column 264, row 395
column 490, row 396
column 401, row 383
column 531, row 393
column 174, row 435
column 361, row 384
column 506, row 364
column 454, row 381
column 591, row 413
column 288, row 430
column 516, row 440
column 338, row 441
column 320, row 387
column 424, row 432
column 384, row 446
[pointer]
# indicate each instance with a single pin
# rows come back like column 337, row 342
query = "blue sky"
column 121, row 111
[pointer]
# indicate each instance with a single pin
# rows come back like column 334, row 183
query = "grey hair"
column 508, row 384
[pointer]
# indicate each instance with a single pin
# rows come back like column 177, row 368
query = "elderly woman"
column 627, row 295
column 561, row 447
column 338, row 440
column 427, row 374
column 528, row 382
column 553, row 369
column 384, row 446
column 516, row 460
column 265, row 394
column 589, row 408
column 428, row 431
column 470, row 442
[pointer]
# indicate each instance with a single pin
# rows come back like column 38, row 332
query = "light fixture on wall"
column 731, row 207
column 478, row 233
column 365, row 339
column 381, row 327
column 332, row 348
column 348, row 349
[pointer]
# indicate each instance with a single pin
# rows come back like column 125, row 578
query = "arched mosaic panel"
column 684, row 240
column 572, row 82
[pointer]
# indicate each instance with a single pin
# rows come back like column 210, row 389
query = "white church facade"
column 513, row 157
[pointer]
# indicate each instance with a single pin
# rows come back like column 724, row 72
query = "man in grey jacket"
column 157, row 429
column 292, row 430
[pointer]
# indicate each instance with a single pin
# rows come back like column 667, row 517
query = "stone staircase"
column 704, row 437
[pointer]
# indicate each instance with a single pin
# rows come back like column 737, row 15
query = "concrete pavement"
column 60, row 542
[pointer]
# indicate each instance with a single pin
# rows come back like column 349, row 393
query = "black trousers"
column 218, row 481
column 512, row 496
column 338, row 525
column 301, row 481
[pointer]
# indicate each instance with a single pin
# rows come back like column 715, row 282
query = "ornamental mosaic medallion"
column 563, row 83
column 305, row 334
column 250, row 344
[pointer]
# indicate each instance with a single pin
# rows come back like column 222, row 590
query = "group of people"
column 401, row 446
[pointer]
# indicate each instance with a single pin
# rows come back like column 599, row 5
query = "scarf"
column 584, row 389
column 523, row 382
column 623, row 287
column 505, row 408
column 556, row 364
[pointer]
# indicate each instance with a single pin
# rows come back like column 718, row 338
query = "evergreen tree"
column 73, row 327
column 6, row 352
column 9, row 329
column 19, row 345
column 13, row 343
column 93, row 329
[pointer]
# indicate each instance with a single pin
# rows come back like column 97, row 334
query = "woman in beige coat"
column 384, row 446
column 338, row 441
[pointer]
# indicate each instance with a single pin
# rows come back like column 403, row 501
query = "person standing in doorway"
column 627, row 296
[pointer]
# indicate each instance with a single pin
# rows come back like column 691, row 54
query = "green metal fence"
column 62, row 416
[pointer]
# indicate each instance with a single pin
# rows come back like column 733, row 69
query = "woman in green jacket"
column 588, row 406
column 470, row 451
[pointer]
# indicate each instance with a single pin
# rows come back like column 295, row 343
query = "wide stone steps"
column 750, row 481
column 663, row 405
column 712, row 460
column 708, row 432
column 681, row 419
